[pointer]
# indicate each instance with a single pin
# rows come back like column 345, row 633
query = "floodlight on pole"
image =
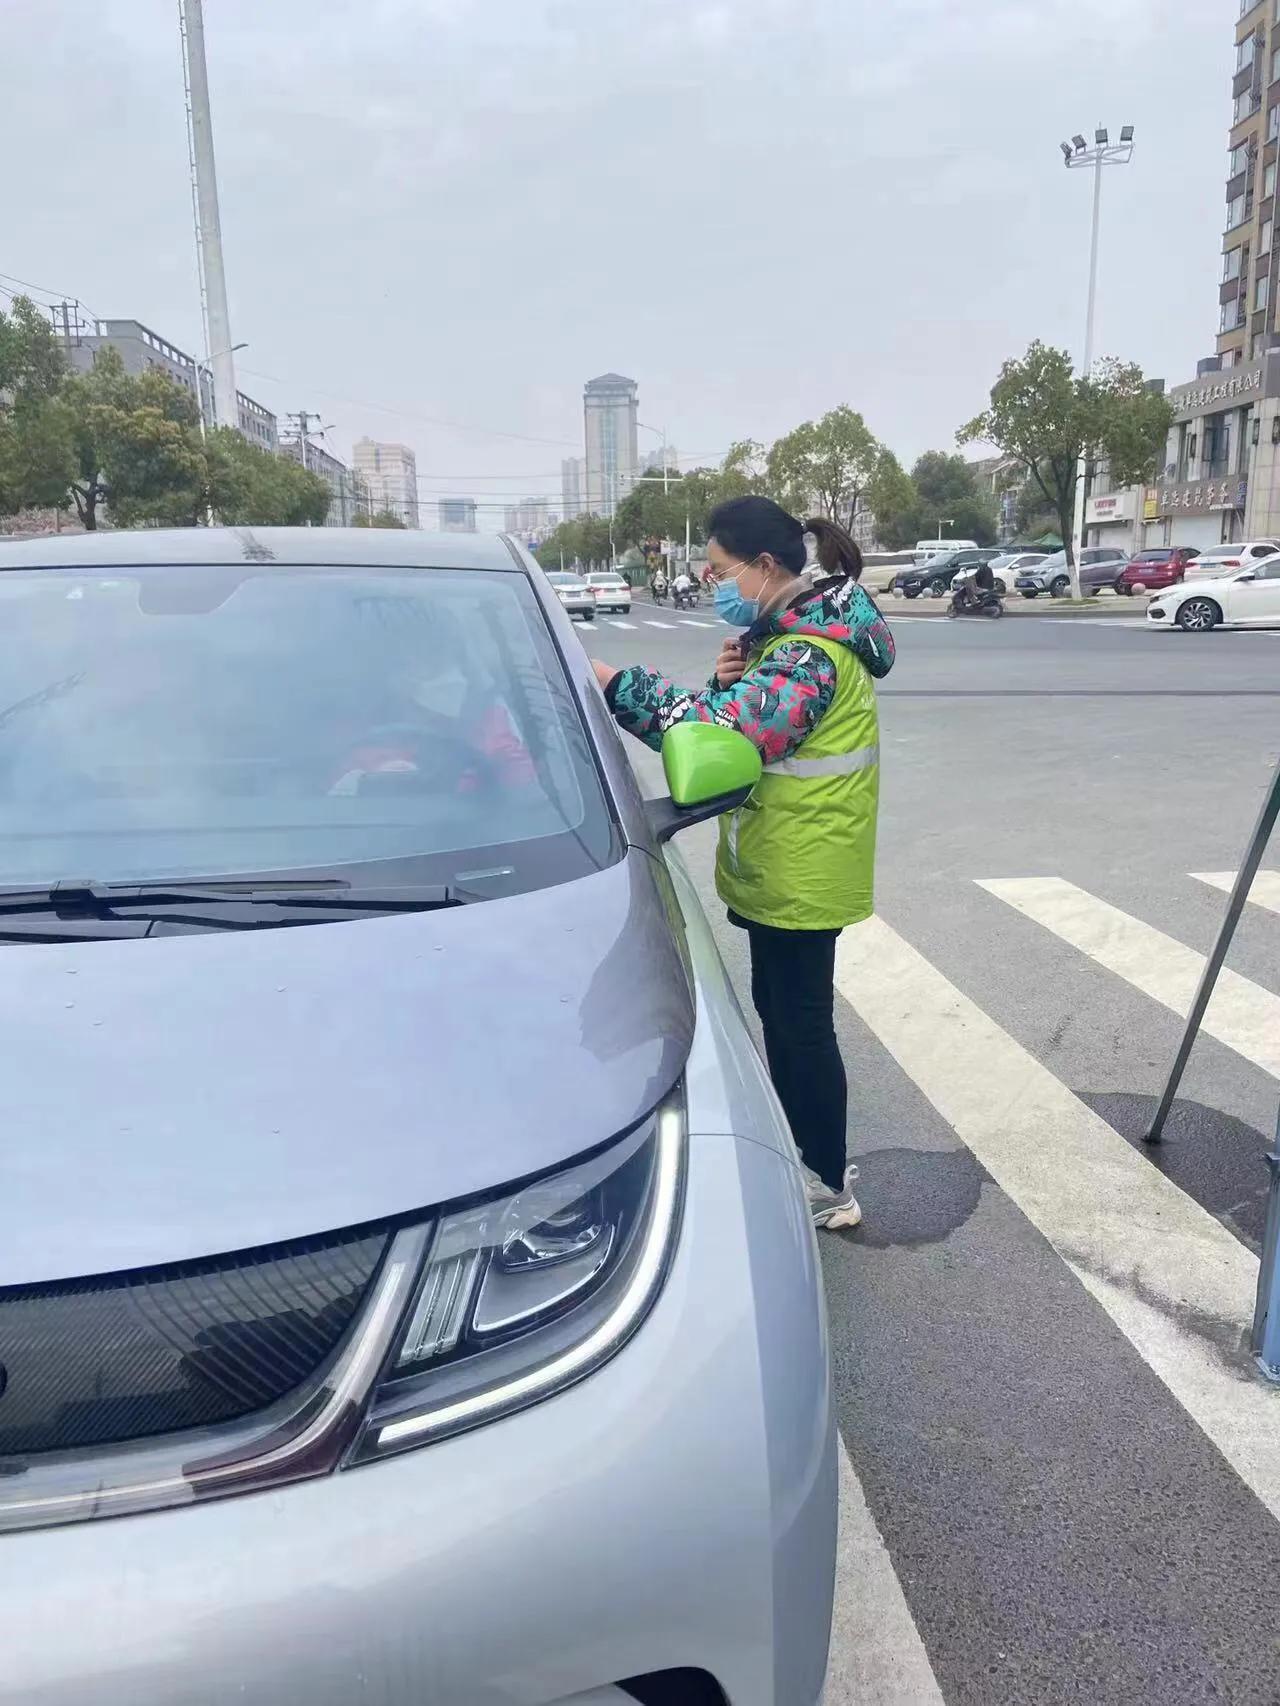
column 1104, row 153
column 1066, row 151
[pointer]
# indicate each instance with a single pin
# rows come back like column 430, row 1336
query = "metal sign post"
column 1264, row 1341
column 1213, row 965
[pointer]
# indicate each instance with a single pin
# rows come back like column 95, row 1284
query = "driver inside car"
column 438, row 727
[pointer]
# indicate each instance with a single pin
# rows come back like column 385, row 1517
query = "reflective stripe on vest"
column 835, row 764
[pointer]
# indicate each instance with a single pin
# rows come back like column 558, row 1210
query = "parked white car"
column 1223, row 559
column 610, row 591
column 1248, row 597
column 1005, row 569
column 926, row 549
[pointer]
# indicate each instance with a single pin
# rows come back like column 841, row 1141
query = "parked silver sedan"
column 407, row 1284
column 575, row 596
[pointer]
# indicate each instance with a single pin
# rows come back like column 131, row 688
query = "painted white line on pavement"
column 650, row 623
column 1265, row 890
column 692, row 622
column 877, row 1656
column 1242, row 1014
column 1149, row 1254
column 617, row 622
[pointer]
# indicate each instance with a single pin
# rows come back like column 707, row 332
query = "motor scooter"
column 973, row 593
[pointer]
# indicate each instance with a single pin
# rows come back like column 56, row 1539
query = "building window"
column 1243, row 106
column 1245, row 51
column 1238, row 159
column 1230, row 315
column 1264, row 236
column 1230, row 265
column 1273, row 124
column 1235, row 212
column 1275, row 64
column 1269, row 181
column 1262, row 291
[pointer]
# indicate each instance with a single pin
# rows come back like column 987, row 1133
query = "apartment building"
column 390, row 473
column 1247, row 295
column 573, row 487
column 609, row 407
column 456, row 515
column 348, row 498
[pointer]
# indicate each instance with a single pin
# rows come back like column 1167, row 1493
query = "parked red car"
column 1155, row 569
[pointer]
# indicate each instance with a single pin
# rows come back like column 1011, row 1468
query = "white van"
column 927, row 548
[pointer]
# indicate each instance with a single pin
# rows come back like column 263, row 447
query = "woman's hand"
column 731, row 666
column 605, row 672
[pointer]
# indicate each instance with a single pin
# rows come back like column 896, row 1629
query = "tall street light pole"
column 1078, row 156
column 213, row 279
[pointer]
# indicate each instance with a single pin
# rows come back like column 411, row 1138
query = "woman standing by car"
column 796, row 863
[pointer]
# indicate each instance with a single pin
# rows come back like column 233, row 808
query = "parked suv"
column 1157, row 568
column 936, row 576
column 1100, row 565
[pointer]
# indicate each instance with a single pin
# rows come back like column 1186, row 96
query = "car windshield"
column 372, row 725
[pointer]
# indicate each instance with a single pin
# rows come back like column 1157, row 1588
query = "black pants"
column 793, row 989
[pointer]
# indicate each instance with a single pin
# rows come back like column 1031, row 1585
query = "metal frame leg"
column 1213, row 965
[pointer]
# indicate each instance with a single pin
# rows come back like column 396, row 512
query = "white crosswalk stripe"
column 692, row 622
column 651, row 622
column 617, row 622
column 1241, row 1014
column 1265, row 891
column 1161, row 1266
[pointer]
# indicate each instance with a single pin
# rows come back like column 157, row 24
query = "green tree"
column 1047, row 418
column 947, row 489
column 35, row 446
column 135, row 444
column 246, row 486
column 379, row 518
column 892, row 497
column 824, row 463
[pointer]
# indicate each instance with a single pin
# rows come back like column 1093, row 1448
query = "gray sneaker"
column 833, row 1209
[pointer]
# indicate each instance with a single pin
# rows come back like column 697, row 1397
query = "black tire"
column 1060, row 586
column 1031, row 595
column 938, row 588
column 1198, row 616
column 588, row 615
column 995, row 610
column 1120, row 589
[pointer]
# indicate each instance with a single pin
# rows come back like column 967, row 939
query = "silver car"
column 407, row 1287
column 575, row 596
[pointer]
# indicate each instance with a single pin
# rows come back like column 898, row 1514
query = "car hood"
column 184, row 1096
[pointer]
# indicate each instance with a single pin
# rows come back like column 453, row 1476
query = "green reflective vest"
column 800, row 855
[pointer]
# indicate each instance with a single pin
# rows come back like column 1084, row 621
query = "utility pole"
column 213, row 279
column 303, row 420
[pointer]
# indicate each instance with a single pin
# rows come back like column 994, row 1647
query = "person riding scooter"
column 659, row 587
column 683, row 596
column 973, row 591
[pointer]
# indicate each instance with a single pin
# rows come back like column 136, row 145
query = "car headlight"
column 454, row 1319
column 525, row 1294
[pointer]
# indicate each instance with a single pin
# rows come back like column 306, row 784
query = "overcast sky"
column 442, row 216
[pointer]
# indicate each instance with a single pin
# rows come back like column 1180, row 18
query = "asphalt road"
column 1040, row 1329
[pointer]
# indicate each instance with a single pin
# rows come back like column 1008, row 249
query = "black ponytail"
column 838, row 553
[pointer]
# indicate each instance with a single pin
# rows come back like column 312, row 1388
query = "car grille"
column 91, row 1362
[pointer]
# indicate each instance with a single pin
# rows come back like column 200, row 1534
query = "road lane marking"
column 1175, row 1282
column 877, row 1656
column 1265, row 890
column 1242, row 1014
column 649, row 622
column 692, row 622
column 617, row 622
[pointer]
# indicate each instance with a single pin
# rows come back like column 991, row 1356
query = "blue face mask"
column 732, row 607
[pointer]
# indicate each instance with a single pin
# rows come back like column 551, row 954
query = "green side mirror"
column 709, row 770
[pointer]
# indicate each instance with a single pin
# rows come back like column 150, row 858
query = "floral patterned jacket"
column 780, row 699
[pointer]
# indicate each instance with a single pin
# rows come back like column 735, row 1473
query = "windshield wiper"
column 81, row 898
